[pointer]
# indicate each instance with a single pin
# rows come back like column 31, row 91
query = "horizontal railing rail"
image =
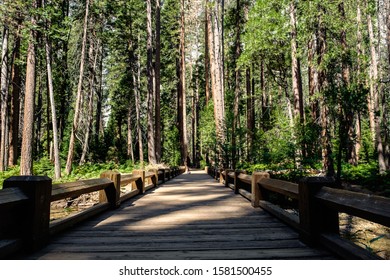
column 317, row 202
column 25, row 203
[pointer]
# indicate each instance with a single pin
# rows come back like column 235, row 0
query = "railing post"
column 155, row 181
column 221, row 180
column 35, row 225
column 236, row 181
column 168, row 173
column 256, row 192
column 140, row 183
column 105, row 195
column 206, row 169
column 163, row 174
column 314, row 218
column 227, row 171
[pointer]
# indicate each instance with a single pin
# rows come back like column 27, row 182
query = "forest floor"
column 371, row 236
column 368, row 235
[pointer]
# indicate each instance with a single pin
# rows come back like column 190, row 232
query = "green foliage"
column 207, row 130
column 44, row 167
column 250, row 168
column 12, row 171
column 279, row 147
column 367, row 176
column 171, row 151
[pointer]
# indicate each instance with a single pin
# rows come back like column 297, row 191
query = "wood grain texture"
column 283, row 187
column 189, row 217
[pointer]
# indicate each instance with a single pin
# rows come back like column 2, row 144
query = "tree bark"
column 264, row 100
column 137, row 83
column 16, row 82
column 64, row 87
column 327, row 158
column 157, row 83
column 57, row 162
column 296, row 67
column 182, row 102
column 296, row 76
column 26, row 164
column 130, row 150
column 150, row 101
column 388, row 32
column 346, row 128
column 4, row 100
column 237, row 83
column 93, row 58
column 216, row 65
column 360, row 53
column 99, row 101
column 374, row 102
column 76, row 118
column 206, row 58
column 39, row 106
column 250, row 118
column 313, row 79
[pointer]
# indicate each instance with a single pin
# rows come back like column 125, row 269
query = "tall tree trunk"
column 313, row 79
column 296, row 75
column 250, row 118
column 93, row 61
column 157, row 84
column 57, row 162
column 88, row 128
column 39, row 107
column 149, row 69
column 130, row 150
column 373, row 72
column 76, row 118
column 195, row 130
column 374, row 102
column 64, row 86
column 296, row 67
column 215, row 52
column 26, row 164
column 99, row 101
column 346, row 128
column 137, row 83
column 237, row 84
column 360, row 51
column 264, row 100
column 16, row 82
column 327, row 158
column 388, row 32
column 182, row 104
column 206, row 58
column 4, row 100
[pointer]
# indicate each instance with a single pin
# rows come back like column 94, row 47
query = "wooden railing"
column 316, row 205
column 25, row 204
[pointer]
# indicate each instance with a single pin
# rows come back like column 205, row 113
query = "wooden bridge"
column 191, row 216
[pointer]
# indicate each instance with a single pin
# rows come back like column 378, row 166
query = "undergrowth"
column 365, row 175
column 45, row 167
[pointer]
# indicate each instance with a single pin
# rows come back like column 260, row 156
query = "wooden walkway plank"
column 189, row 217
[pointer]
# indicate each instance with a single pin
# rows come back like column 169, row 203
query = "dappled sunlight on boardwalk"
column 189, row 217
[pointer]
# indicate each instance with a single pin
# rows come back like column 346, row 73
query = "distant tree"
column 26, row 163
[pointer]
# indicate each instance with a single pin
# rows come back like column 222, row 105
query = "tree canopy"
column 237, row 83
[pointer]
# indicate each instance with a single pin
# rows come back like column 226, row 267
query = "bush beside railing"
column 318, row 205
column 25, row 204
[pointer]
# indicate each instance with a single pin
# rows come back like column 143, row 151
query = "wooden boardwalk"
column 189, row 217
